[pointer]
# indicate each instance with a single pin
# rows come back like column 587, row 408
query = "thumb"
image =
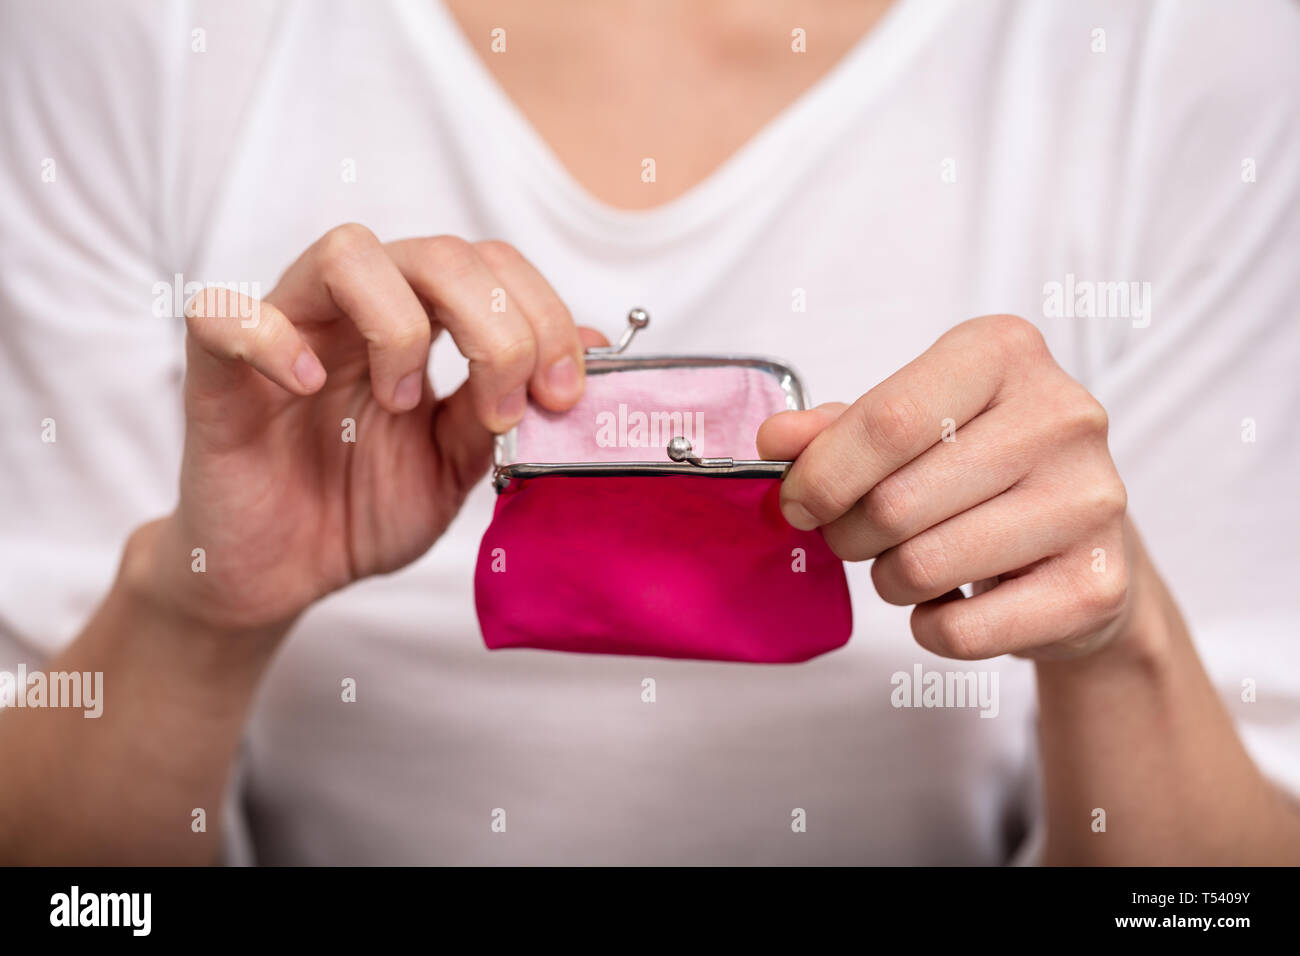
column 464, row 444
column 462, row 441
column 783, row 436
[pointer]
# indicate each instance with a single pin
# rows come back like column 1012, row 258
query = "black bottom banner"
column 620, row 906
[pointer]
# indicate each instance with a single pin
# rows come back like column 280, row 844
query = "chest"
column 641, row 102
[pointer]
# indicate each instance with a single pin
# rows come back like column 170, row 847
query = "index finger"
column 346, row 273
column 487, row 325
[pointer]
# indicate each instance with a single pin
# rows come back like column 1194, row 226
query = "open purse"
column 641, row 522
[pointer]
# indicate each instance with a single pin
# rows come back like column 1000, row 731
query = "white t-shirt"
column 959, row 161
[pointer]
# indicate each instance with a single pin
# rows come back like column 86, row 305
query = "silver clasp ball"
column 637, row 320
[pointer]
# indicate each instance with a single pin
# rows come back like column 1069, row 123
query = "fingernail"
column 562, row 378
column 308, row 370
column 512, row 406
column 799, row 516
column 407, row 393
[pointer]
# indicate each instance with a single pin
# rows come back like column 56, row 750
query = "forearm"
column 1137, row 730
column 122, row 788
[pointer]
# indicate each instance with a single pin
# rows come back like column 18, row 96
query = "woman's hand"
column 1025, row 501
column 979, row 462
column 315, row 451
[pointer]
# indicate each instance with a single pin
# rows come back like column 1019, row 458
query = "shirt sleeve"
column 1204, row 393
column 119, row 123
column 117, row 126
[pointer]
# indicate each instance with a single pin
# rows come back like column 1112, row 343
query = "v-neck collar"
column 775, row 153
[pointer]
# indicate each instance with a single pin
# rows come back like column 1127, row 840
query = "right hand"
column 283, row 507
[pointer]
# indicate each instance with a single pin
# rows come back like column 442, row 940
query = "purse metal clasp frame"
column 681, row 457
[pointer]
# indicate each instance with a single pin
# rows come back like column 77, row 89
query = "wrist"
column 156, row 586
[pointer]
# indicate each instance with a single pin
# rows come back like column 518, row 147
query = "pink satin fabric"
column 663, row 566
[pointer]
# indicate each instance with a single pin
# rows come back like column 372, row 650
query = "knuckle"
column 1107, row 594
column 1015, row 336
column 519, row 352
column 401, row 339
column 821, row 494
column 1108, row 499
column 451, row 255
column 919, row 566
column 554, row 318
column 344, row 245
column 265, row 337
column 842, row 541
column 212, row 302
column 957, row 631
column 1087, row 416
column 886, row 506
column 497, row 253
column 199, row 307
column 1078, row 415
column 214, row 315
column 892, row 424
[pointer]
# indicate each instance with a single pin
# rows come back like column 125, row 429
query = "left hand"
column 1023, row 493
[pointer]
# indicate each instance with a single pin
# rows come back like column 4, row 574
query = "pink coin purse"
column 641, row 522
